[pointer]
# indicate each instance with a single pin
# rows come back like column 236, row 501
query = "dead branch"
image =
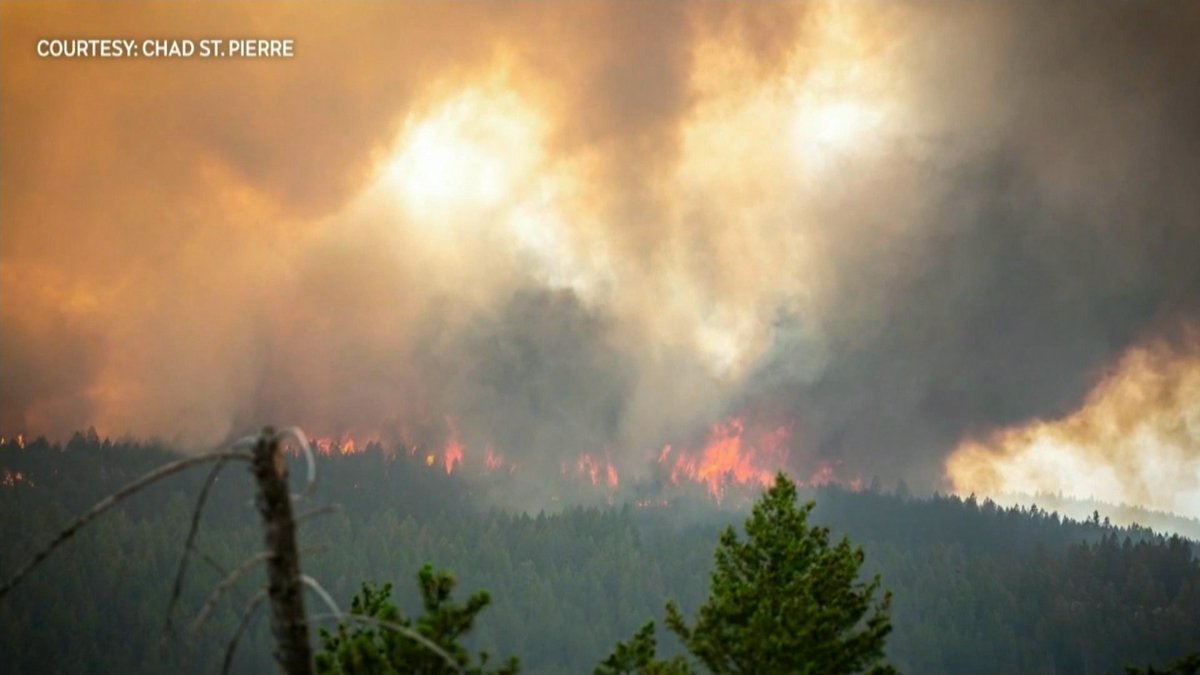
column 248, row 615
column 230, row 579
column 309, row 457
column 399, row 628
column 321, row 511
column 233, row 577
column 217, row 567
column 189, row 543
column 112, row 500
column 316, row 587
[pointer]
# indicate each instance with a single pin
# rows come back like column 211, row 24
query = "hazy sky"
column 890, row 231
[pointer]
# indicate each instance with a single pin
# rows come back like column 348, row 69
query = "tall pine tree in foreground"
column 784, row 600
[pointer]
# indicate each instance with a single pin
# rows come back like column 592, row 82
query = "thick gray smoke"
column 883, row 228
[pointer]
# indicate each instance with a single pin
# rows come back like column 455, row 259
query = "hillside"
column 977, row 588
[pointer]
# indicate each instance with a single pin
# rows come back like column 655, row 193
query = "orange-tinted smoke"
column 1135, row 440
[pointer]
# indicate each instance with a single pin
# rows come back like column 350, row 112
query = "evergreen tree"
column 379, row 642
column 787, row 601
column 637, row 657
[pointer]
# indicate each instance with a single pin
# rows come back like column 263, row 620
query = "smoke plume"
column 600, row 229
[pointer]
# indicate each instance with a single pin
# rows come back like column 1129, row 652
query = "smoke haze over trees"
column 976, row 589
column 605, row 230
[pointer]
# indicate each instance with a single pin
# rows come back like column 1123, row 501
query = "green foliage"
column 637, row 657
column 381, row 641
column 785, row 600
column 979, row 588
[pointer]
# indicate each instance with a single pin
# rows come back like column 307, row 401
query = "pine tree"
column 637, row 657
column 377, row 639
column 785, row 600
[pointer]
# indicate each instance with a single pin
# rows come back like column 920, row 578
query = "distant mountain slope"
column 978, row 588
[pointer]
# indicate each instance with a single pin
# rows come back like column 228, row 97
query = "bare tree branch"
column 309, row 457
column 189, row 543
column 217, row 567
column 399, row 628
column 316, row 587
column 112, row 500
column 248, row 615
column 230, row 579
column 235, row 576
column 321, row 511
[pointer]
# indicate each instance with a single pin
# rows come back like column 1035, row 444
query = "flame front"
column 341, row 445
column 1135, row 440
column 734, row 455
column 728, row 458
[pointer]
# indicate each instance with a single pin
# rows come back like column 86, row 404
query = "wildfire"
column 1135, row 439
column 734, row 454
column 343, row 445
column 12, row 478
column 729, row 458
column 491, row 460
column 18, row 440
column 597, row 471
column 453, row 453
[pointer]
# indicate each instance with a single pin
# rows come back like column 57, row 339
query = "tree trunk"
column 288, row 619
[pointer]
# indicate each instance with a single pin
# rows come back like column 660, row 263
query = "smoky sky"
column 193, row 249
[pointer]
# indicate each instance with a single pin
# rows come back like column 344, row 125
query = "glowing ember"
column 12, row 478
column 18, row 440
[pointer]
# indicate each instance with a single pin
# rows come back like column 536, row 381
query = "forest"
column 975, row 588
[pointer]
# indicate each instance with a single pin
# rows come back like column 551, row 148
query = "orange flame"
column 344, row 445
column 18, row 440
column 453, row 453
column 598, row 472
column 729, row 458
column 824, row 475
column 587, row 464
column 491, row 460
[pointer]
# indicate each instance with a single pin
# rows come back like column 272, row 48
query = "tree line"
column 976, row 588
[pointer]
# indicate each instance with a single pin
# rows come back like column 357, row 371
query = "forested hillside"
column 977, row 589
